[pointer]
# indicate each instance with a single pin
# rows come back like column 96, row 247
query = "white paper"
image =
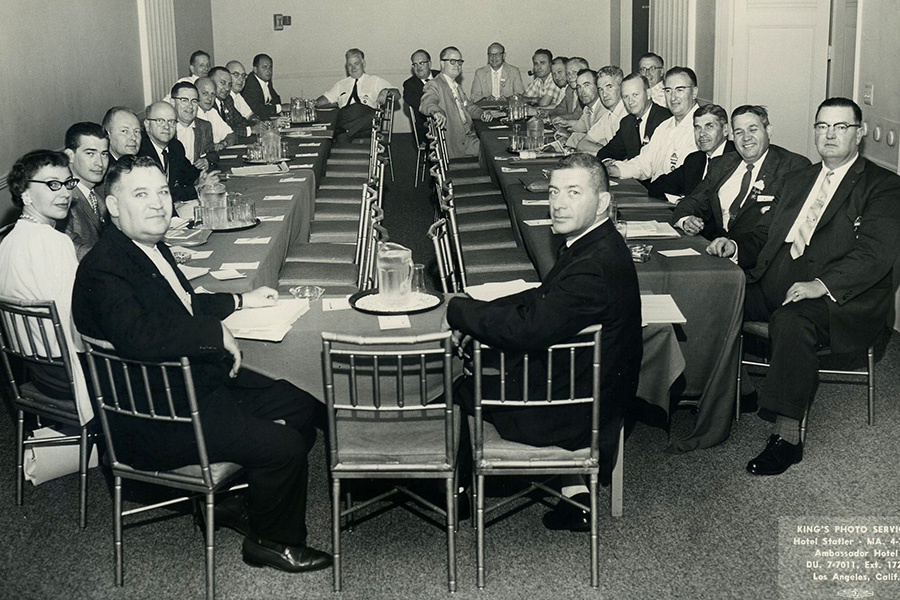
column 673, row 199
column 526, row 202
column 227, row 156
column 394, row 322
column 680, row 252
column 613, row 183
column 660, row 308
column 253, row 240
column 650, row 229
column 240, row 265
column 340, row 303
column 538, row 222
column 178, row 223
column 279, row 197
column 270, row 218
column 185, row 210
column 269, row 323
column 498, row 289
column 275, row 333
column 305, row 144
column 295, row 179
column 238, row 146
column 201, row 255
column 201, row 290
column 226, row 274
column 193, row 272
column 514, row 169
column 503, row 138
column 501, row 158
column 307, row 155
column 497, row 127
column 259, row 170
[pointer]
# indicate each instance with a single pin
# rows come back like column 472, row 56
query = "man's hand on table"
column 208, row 178
column 691, row 225
column 487, row 116
column 722, row 247
column 231, row 347
column 261, row 296
column 805, row 290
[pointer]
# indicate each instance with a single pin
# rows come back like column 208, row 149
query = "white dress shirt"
column 836, row 179
column 220, row 128
column 495, row 81
column 607, row 125
column 731, row 186
column 589, row 116
column 368, row 89
column 668, row 147
column 185, row 135
column 241, row 105
column 168, row 273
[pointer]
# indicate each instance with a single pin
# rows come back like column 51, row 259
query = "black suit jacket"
column 413, row 88
column 683, row 180
column 593, row 282
column 120, row 296
column 627, row 141
column 704, row 201
column 182, row 175
column 253, row 94
column 852, row 251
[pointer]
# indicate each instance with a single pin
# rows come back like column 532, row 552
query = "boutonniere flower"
column 756, row 189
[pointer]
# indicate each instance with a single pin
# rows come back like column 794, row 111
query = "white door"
column 777, row 56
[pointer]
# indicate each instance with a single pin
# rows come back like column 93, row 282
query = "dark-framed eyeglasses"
column 55, row 184
column 456, row 62
column 647, row 70
column 422, row 63
column 841, row 127
column 160, row 121
column 236, row 75
column 193, row 101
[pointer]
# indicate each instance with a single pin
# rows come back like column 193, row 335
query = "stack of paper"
column 260, row 169
column 660, row 308
column 269, row 324
column 650, row 229
column 499, row 289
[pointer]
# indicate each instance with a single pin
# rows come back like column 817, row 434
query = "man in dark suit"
column 87, row 146
column 732, row 197
column 224, row 104
column 161, row 145
column 594, row 281
column 414, row 87
column 638, row 125
column 711, row 136
column 129, row 292
column 819, row 270
column 259, row 92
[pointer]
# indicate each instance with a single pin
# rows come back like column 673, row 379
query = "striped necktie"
column 808, row 226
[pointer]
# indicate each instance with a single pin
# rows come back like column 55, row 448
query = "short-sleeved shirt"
column 368, row 89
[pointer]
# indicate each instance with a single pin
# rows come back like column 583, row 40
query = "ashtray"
column 181, row 257
column 640, row 253
column 308, row 292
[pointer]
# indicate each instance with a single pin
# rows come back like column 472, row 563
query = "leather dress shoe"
column 776, row 458
column 564, row 516
column 293, row 559
column 231, row 512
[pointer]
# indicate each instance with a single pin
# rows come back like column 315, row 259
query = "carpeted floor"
column 695, row 526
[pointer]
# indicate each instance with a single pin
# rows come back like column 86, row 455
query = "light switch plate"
column 869, row 94
column 279, row 23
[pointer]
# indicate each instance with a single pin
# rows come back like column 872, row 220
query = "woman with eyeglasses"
column 37, row 262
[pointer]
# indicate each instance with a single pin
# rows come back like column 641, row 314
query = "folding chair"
column 32, row 333
column 143, row 391
column 387, row 129
column 495, row 456
column 421, row 151
column 440, row 237
column 382, row 424
column 759, row 330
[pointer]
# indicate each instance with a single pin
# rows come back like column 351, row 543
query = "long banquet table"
column 708, row 290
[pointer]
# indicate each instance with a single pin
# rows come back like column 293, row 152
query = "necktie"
column 95, row 204
column 742, row 193
column 561, row 250
column 221, row 106
column 637, row 128
column 808, row 226
column 459, row 104
column 165, row 156
column 354, row 95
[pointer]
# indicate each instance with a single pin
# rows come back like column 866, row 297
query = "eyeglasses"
column 55, row 184
column 456, row 62
column 237, row 75
column 841, row 127
column 422, row 63
column 193, row 101
column 161, row 122
column 646, row 70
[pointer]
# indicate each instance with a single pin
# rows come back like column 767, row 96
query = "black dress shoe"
column 293, row 559
column 776, row 458
column 564, row 516
column 231, row 512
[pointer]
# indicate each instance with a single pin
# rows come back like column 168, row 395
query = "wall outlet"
column 869, row 94
column 279, row 22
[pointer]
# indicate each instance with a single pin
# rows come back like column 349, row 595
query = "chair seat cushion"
column 323, row 274
column 221, row 471
column 321, row 253
column 415, row 436
column 497, row 449
column 30, row 394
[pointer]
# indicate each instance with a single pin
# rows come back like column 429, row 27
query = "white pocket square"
column 762, row 198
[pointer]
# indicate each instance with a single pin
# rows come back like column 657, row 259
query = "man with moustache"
column 732, row 197
column 497, row 80
column 609, row 81
column 569, row 110
column 414, row 87
column 711, row 136
column 673, row 140
column 87, row 146
column 451, row 108
column 635, row 128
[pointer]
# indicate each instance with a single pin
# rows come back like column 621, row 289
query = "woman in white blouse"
column 37, row 262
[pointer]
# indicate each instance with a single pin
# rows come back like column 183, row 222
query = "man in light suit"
column 129, row 292
column 195, row 134
column 498, row 80
column 258, row 90
column 87, row 146
column 593, row 281
column 414, row 87
column 711, row 138
column 733, row 197
column 819, row 270
column 447, row 103
column 639, row 124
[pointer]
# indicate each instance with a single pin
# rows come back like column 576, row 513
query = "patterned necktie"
column 459, row 104
column 742, row 193
column 354, row 95
column 95, row 204
column 808, row 226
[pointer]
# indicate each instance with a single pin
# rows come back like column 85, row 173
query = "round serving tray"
column 435, row 300
column 256, row 222
column 262, row 161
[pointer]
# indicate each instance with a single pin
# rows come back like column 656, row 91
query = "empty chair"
column 421, row 151
column 391, row 415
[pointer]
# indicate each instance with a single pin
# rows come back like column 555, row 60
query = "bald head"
column 206, row 87
column 160, row 122
column 238, row 76
column 496, row 55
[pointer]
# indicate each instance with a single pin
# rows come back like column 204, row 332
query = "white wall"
column 309, row 55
